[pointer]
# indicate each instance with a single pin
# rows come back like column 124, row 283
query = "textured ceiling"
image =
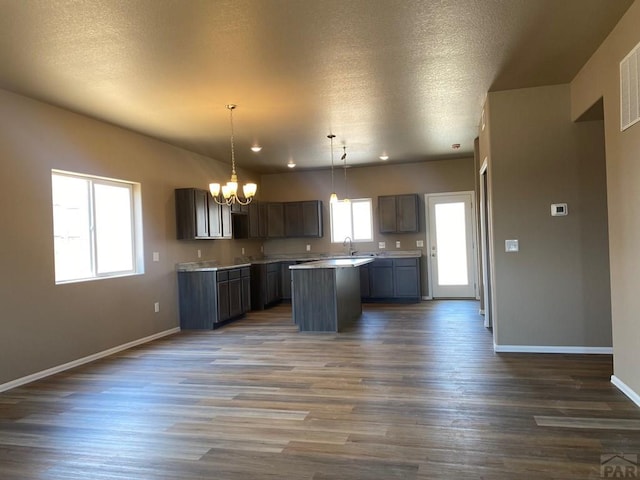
column 403, row 77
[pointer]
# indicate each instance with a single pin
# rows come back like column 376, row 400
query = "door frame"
column 486, row 253
column 473, row 262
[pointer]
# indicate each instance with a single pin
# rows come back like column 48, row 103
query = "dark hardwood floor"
column 410, row 392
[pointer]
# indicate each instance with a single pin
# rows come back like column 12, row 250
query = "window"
column 97, row 230
column 351, row 219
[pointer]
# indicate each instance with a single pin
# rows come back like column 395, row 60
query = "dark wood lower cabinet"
column 385, row 279
column 265, row 285
column 395, row 280
column 223, row 298
column 210, row 298
column 285, row 280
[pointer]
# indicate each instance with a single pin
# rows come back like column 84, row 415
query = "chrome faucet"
column 348, row 243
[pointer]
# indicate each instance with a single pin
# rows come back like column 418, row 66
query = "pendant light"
column 333, row 198
column 344, row 160
column 228, row 194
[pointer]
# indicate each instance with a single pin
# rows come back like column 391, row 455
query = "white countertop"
column 333, row 263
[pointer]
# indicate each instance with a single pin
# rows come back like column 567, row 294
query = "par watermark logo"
column 616, row 465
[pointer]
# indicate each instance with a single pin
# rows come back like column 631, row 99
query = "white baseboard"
column 552, row 349
column 427, row 297
column 81, row 361
column 624, row 388
column 481, row 311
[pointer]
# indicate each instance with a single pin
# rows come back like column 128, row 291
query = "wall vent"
column 630, row 89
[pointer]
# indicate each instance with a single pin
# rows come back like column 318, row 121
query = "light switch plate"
column 156, row 256
column 511, row 246
column 398, row 244
column 420, row 243
column 382, row 245
column 308, row 248
column 199, row 253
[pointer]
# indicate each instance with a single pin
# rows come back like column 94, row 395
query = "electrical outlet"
column 308, row 248
column 156, row 256
column 242, row 250
column 398, row 244
column 156, row 307
column 419, row 243
column 199, row 253
column 382, row 245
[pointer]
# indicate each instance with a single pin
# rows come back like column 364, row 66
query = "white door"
column 450, row 241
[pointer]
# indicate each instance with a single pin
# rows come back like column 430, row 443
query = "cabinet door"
column 312, row 218
column 215, row 219
column 246, row 293
column 275, row 220
column 201, row 211
column 387, row 214
column 235, row 297
column 197, row 297
column 262, row 220
column 258, row 286
column 223, row 301
column 407, row 213
column 381, row 279
column 293, row 219
column 226, row 222
column 365, row 290
column 273, row 282
column 254, row 219
column 407, row 278
column 191, row 214
column 285, row 280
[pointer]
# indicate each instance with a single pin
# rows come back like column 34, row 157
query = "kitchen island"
column 325, row 294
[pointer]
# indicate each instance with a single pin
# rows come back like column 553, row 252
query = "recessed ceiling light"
column 256, row 148
column 291, row 164
column 455, row 146
column 384, row 157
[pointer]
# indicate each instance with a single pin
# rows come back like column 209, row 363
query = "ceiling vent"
column 630, row 89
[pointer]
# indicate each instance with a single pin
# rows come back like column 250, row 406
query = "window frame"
column 369, row 201
column 135, row 205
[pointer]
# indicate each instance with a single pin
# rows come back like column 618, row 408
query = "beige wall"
column 43, row 325
column 367, row 182
column 600, row 78
column 555, row 291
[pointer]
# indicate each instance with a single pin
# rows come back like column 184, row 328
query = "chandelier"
column 228, row 194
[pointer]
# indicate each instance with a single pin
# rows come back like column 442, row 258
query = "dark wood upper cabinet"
column 293, row 219
column 398, row 213
column 275, row 220
column 312, row 218
column 225, row 220
column 303, row 219
column 192, row 214
column 408, row 213
column 198, row 216
column 387, row 214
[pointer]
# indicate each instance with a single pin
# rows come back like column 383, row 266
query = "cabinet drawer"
column 382, row 262
column 405, row 262
column 235, row 273
column 223, row 276
column 246, row 272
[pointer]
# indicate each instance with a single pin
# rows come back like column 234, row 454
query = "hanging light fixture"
column 230, row 190
column 333, row 198
column 344, row 160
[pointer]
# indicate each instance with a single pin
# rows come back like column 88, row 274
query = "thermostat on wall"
column 559, row 209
